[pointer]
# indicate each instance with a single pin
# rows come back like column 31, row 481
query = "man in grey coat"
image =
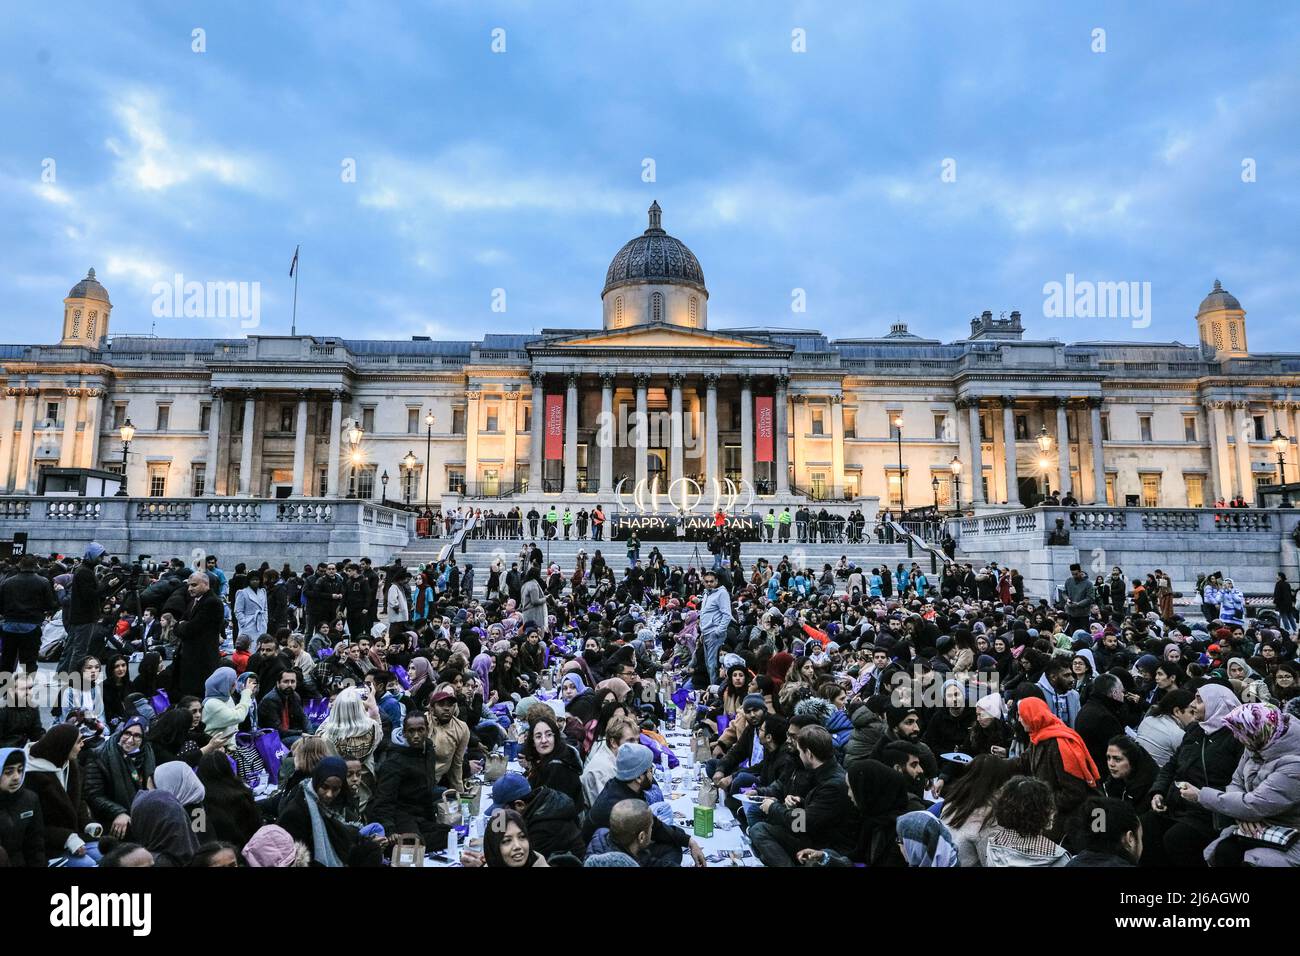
column 715, row 619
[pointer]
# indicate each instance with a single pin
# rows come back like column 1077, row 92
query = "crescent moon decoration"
column 638, row 495
column 654, row 493
column 717, row 493
column 686, row 503
column 732, row 494
column 618, row 495
column 749, row 486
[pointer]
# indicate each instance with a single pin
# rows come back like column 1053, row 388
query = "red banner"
column 555, row 427
column 764, row 427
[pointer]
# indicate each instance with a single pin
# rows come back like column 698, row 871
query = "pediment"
column 660, row 336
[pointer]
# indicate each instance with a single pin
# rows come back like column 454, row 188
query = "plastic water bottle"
column 453, row 845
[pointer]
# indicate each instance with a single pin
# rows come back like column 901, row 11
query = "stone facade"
column 1157, row 424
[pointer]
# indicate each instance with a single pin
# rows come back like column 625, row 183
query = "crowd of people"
column 850, row 716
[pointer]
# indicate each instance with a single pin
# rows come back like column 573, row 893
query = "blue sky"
column 522, row 170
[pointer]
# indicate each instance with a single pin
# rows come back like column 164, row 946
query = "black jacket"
column 84, row 601
column 552, row 819
column 1203, row 760
column 403, row 800
column 22, row 829
column 27, row 598
column 829, row 821
column 19, row 726
column 271, row 708
column 199, row 637
column 63, row 809
column 111, row 785
column 616, row 791
column 563, row 772
column 1097, row 722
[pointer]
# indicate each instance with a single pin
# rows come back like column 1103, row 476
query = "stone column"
column 336, row 443
column 782, row 437
column 1098, row 456
column 798, row 403
column 300, row 446
column 536, row 438
column 93, row 400
column 25, row 419
column 511, row 428
column 963, row 449
column 711, row 431
column 1221, row 456
column 1009, row 447
column 68, row 445
column 747, row 429
column 642, row 427
column 1244, row 432
column 214, row 446
column 837, row 444
column 1294, row 452
column 571, row 435
column 676, row 450
column 607, row 433
column 976, row 455
column 472, row 477
column 246, row 449
column 1062, row 448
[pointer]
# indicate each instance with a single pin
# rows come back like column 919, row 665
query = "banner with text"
column 764, row 427
column 555, row 427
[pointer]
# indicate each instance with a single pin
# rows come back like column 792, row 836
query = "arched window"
column 694, row 310
column 657, row 307
column 618, row 310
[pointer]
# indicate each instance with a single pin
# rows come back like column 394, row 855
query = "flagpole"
column 293, row 324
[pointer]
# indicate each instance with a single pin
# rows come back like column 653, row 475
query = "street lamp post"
column 1044, row 441
column 409, row 463
column 934, row 483
column 128, row 433
column 955, row 467
column 355, row 434
column 1280, row 443
column 428, row 456
column 898, row 428
column 383, row 479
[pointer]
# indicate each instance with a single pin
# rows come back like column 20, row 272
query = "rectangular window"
column 818, row 421
column 1069, row 428
column 323, row 482
column 526, row 423
column 205, row 416
column 985, row 431
column 1105, row 428
column 237, row 418
column 818, row 484
column 894, row 486
column 164, row 417
column 734, row 414
column 893, row 414
column 412, row 421
column 119, row 416
column 200, row 480
column 456, row 480
column 521, row 475
column 850, row 423
column 287, row 415
column 492, row 417
column 491, row 483
column 1110, row 490
column 368, row 420
column 326, row 417
column 1260, row 433
column 1144, row 426
column 1150, row 491
column 365, row 478
column 945, row 487
column 940, row 427
column 411, row 483
column 1195, row 490
column 52, row 411
column 458, row 423
column 1189, row 430
column 158, row 480
column 1022, row 428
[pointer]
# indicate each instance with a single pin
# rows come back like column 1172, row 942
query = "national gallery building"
column 997, row 418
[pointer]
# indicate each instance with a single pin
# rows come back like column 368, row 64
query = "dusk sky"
column 522, row 170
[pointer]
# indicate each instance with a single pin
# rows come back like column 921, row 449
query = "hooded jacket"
column 113, row 779
column 1265, row 788
column 403, row 800
column 22, row 828
column 552, row 819
column 59, row 790
column 868, row 728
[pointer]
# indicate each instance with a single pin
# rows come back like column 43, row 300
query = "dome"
column 654, row 256
column 1219, row 298
column 89, row 288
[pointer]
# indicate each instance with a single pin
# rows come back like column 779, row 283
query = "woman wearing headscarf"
column 1130, row 772
column 116, row 688
column 423, row 680
column 1264, row 792
column 181, row 782
column 924, row 841
column 54, row 774
column 1059, row 757
column 1176, row 831
column 483, row 665
column 272, row 846
column 160, row 824
column 148, row 682
column 231, row 813
column 949, row 728
column 118, row 770
column 313, row 814
column 989, row 732
column 778, row 666
column 222, row 712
